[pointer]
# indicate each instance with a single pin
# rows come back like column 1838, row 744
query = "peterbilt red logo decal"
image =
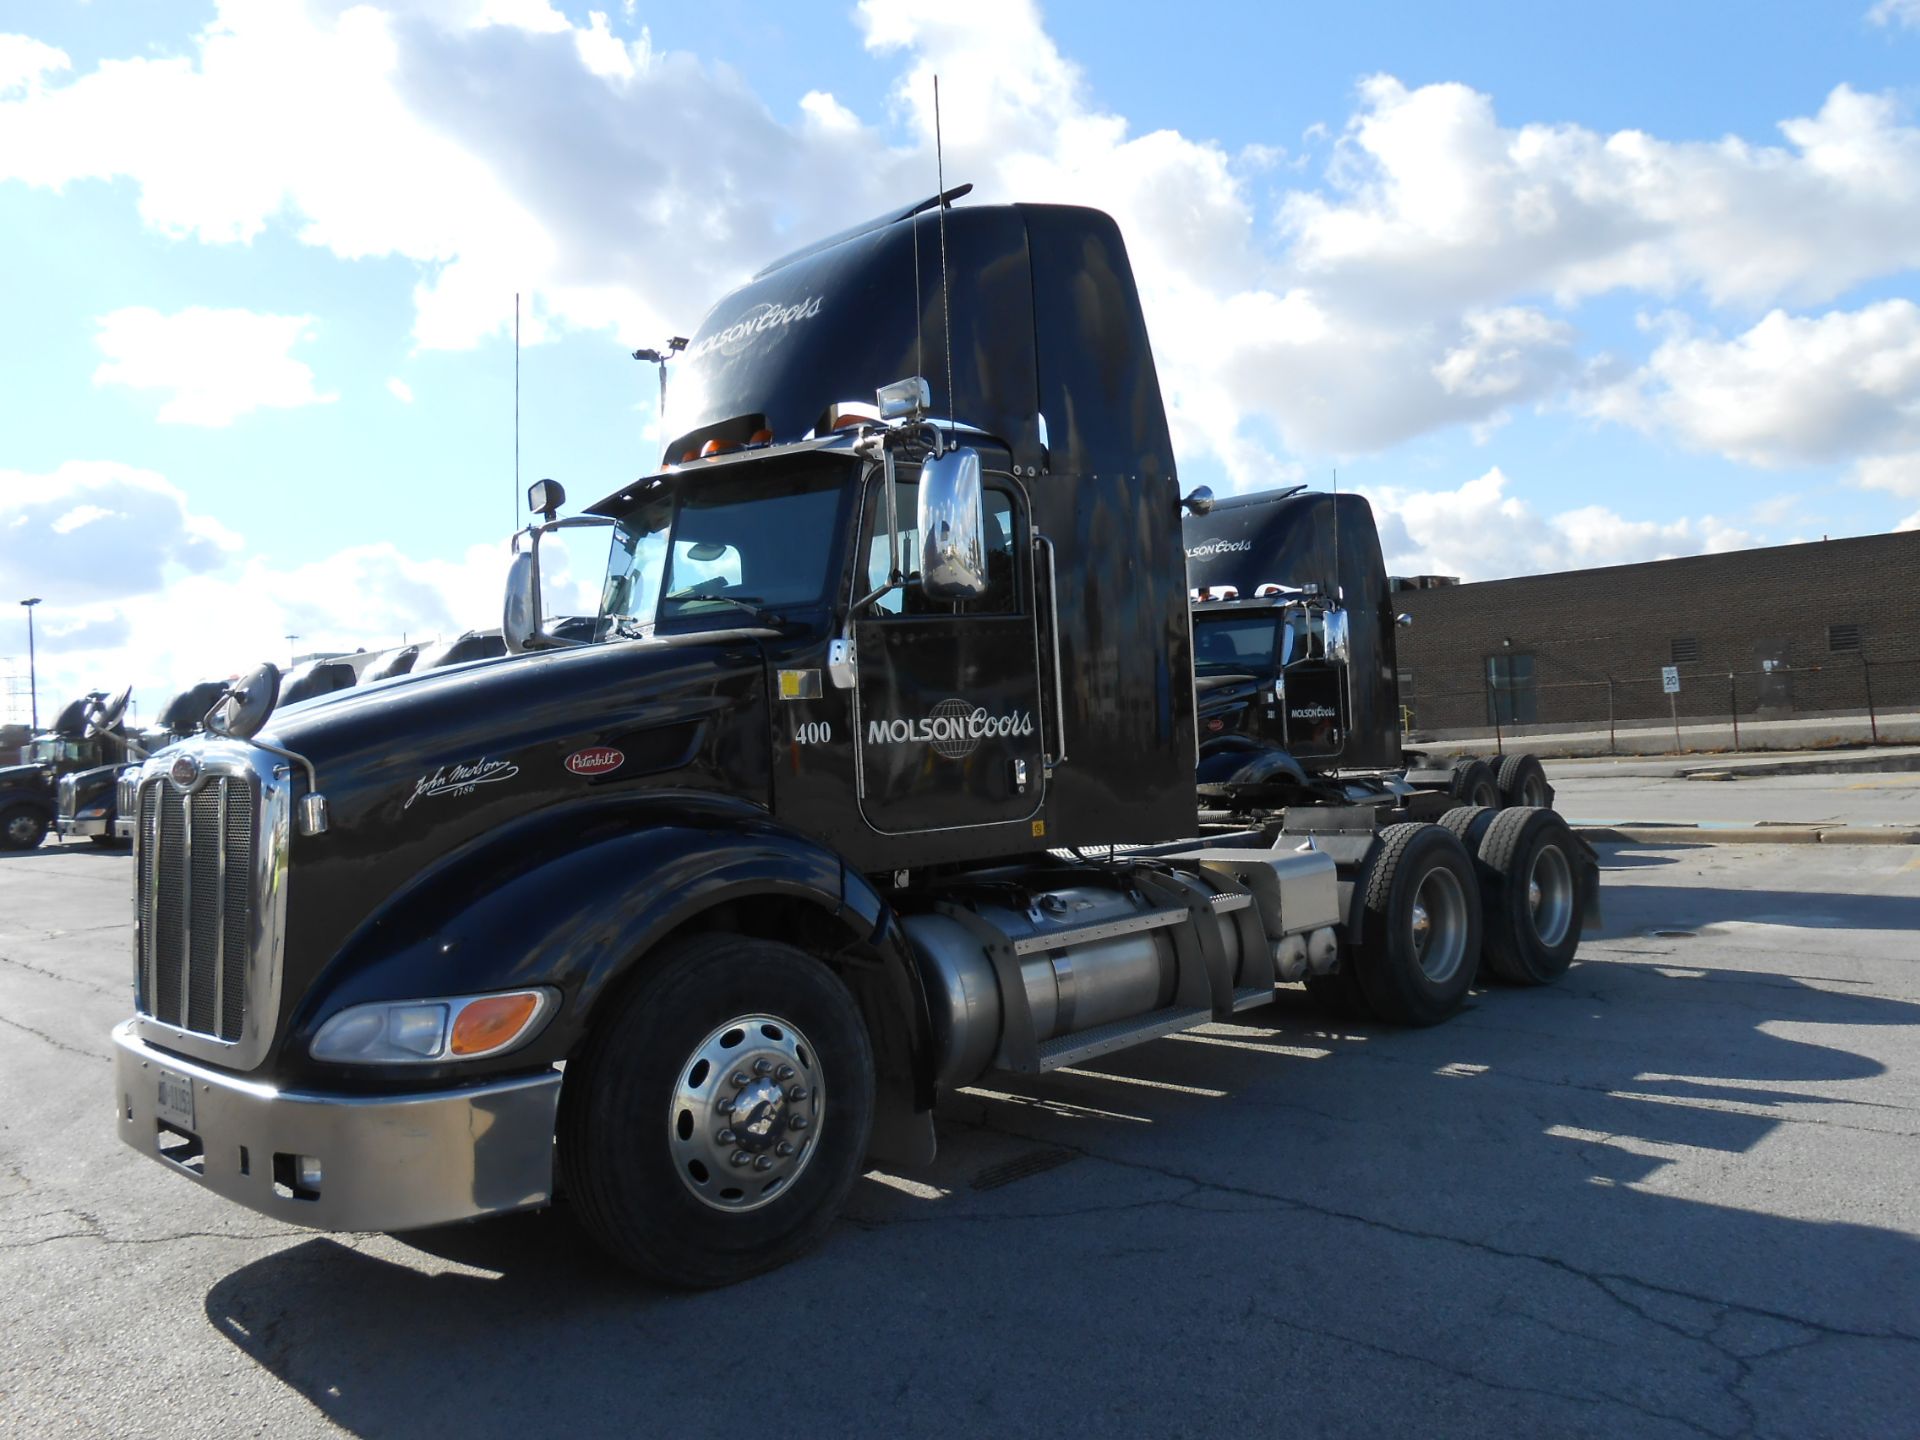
column 601, row 760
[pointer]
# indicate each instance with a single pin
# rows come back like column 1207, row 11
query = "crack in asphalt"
column 95, row 1229
column 57, row 1044
column 32, row 969
column 1604, row 1281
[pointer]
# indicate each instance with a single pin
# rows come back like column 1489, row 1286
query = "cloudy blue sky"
column 1556, row 285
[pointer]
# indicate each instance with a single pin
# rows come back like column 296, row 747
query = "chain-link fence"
column 1874, row 701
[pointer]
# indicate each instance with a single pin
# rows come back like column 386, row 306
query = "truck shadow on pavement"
column 1593, row 1209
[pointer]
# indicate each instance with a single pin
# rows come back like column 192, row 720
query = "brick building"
column 1822, row 628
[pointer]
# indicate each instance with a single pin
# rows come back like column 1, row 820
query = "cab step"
column 1118, row 1035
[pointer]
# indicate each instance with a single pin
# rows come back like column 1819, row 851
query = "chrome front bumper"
column 388, row 1162
column 71, row 825
column 124, row 826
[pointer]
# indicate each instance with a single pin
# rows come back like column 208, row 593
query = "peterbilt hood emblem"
column 184, row 772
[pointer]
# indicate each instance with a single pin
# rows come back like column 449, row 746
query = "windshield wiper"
column 749, row 603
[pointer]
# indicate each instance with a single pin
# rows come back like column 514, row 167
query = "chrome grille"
column 195, row 906
column 126, row 795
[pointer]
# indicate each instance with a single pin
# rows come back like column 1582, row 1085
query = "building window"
column 1843, row 639
column 1511, row 698
column 1686, row 651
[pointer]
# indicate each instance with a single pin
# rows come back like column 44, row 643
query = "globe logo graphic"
column 951, row 740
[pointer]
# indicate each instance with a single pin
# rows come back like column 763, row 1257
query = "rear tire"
column 1531, row 877
column 1474, row 784
column 1468, row 824
column 22, row 828
column 652, row 1133
column 1420, row 932
column 1523, row 781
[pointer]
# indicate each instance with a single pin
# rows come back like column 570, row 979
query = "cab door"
column 947, row 710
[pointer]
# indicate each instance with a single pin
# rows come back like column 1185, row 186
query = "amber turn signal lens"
column 717, row 446
column 491, row 1023
column 760, row 437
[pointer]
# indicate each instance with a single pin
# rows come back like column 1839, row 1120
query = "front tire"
column 22, row 828
column 1420, row 934
column 720, row 1112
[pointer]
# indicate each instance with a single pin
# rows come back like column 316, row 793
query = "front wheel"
column 720, row 1112
column 22, row 828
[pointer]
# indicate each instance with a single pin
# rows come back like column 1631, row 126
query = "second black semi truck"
column 878, row 776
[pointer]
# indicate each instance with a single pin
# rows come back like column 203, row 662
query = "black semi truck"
column 1294, row 663
column 877, row 777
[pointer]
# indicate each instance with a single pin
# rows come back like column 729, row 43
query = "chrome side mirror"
column 1339, row 638
column 520, row 616
column 952, row 523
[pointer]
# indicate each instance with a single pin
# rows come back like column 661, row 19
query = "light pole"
column 660, row 358
column 33, row 678
column 290, row 640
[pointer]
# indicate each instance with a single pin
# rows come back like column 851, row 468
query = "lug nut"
column 786, row 1074
column 725, row 1137
column 740, row 1157
column 798, row 1122
column 741, row 1079
column 783, row 1149
column 763, row 1066
column 765, row 1162
column 798, row 1092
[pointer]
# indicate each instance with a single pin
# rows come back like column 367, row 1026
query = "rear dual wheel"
column 1419, row 946
column 1474, row 783
column 720, row 1112
column 1531, row 878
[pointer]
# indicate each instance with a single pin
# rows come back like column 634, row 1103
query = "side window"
column 1003, row 534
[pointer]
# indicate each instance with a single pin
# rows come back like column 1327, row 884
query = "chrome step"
column 1247, row 997
column 1105, row 930
column 1118, row 1035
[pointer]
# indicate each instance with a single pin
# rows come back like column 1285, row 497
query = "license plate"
column 176, row 1100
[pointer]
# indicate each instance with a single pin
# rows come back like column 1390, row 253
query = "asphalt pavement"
column 1674, row 1195
column 1628, row 790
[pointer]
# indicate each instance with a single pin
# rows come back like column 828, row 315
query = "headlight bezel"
column 396, row 1031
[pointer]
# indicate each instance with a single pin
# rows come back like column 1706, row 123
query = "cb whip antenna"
column 946, row 308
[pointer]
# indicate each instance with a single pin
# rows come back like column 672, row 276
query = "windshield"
column 712, row 548
column 53, row 750
column 1242, row 643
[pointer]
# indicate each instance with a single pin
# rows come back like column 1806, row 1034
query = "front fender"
column 576, row 896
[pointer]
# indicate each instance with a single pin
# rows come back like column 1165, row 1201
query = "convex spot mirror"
column 106, row 714
column 1339, row 643
column 952, row 524
column 248, row 702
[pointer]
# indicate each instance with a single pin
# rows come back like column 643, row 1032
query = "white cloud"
column 141, row 589
column 213, row 365
column 1431, row 198
column 1896, row 12
column 1897, row 473
column 1791, row 390
column 25, row 62
column 1428, row 274
column 96, row 530
column 399, row 389
column 1480, row 532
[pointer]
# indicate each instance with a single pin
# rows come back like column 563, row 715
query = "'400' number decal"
column 814, row 732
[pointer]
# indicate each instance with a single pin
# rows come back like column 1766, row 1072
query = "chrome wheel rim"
column 1550, row 895
column 1438, row 925
column 746, row 1112
column 1534, row 792
column 21, row 828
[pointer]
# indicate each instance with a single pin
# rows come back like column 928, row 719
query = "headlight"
column 415, row 1032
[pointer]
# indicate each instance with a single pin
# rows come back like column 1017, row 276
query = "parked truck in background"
column 1294, row 627
column 878, row 777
